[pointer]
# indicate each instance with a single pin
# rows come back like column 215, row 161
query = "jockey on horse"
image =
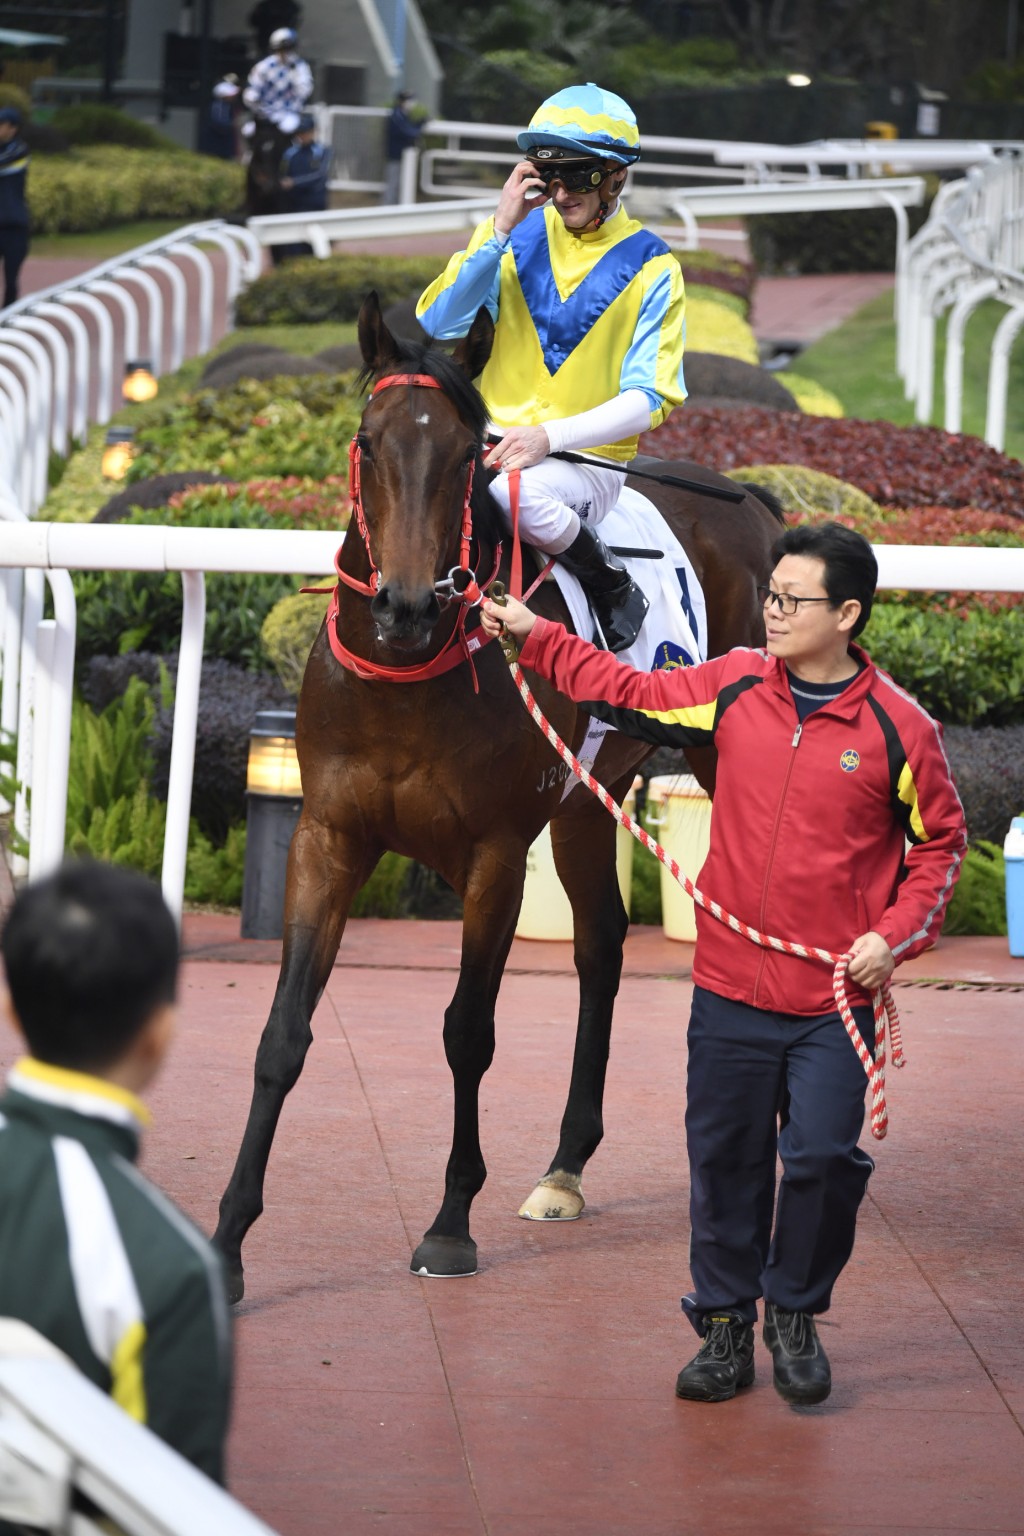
column 276, row 92
column 588, row 345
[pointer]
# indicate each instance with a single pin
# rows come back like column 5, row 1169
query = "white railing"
column 895, row 193
column 332, row 226
column 193, row 551
column 56, row 376
column 60, row 1436
column 971, row 249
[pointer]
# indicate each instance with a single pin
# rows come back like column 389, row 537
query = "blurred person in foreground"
column 14, row 220
column 836, row 825
column 92, row 1255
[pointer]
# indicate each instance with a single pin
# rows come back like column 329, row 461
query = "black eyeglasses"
column 785, row 602
column 579, row 178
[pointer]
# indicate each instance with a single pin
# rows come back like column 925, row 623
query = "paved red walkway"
column 536, row 1399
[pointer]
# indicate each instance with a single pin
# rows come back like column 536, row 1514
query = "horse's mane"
column 422, row 357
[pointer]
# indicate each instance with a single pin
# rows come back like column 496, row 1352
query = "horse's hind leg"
column 324, row 873
column 491, row 903
column 583, row 844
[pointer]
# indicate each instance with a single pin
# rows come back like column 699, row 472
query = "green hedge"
column 310, row 291
column 105, row 184
column 90, row 122
column 862, row 240
column 965, row 671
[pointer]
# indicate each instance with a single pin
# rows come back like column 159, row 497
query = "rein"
column 461, row 585
column 883, row 1005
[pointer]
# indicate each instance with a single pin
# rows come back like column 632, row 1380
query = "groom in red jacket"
column 836, row 824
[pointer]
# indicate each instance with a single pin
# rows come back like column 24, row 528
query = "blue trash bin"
column 1013, row 852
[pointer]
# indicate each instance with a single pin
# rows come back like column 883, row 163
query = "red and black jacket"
column 811, row 822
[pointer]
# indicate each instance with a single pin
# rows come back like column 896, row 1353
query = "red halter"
column 460, row 586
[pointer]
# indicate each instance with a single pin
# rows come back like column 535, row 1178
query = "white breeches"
column 556, row 497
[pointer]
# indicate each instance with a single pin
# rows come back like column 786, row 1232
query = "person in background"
column 402, row 132
column 222, row 137
column 92, row 1255
column 14, row 220
column 279, row 86
column 836, row 826
column 305, row 167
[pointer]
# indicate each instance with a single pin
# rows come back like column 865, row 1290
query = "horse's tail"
column 771, row 501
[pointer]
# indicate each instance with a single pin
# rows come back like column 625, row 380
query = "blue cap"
column 10, row 115
column 306, row 124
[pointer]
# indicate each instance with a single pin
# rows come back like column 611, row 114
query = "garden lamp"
column 118, row 453
column 274, row 796
column 139, row 383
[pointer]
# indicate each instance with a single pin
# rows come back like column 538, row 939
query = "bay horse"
column 263, row 192
column 459, row 779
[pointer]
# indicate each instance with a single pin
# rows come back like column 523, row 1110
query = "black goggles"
column 575, row 176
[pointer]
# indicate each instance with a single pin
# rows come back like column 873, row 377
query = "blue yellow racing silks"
column 580, row 318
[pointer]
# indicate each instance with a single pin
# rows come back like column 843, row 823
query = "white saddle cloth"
column 675, row 631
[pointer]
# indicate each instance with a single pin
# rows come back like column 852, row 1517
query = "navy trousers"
column 13, row 250
column 761, row 1084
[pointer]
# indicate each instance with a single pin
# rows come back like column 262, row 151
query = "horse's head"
column 419, row 442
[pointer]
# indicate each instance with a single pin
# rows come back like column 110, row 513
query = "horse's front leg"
column 491, row 902
column 583, row 845
column 325, row 870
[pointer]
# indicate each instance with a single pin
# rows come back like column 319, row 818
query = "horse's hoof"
column 235, row 1279
column 553, row 1202
column 444, row 1257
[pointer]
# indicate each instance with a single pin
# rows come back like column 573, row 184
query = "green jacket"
column 102, row 1264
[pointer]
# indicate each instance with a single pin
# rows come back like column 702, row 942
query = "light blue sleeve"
column 471, row 281
column 654, row 360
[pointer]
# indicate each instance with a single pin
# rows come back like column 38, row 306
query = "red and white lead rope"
column 882, row 1002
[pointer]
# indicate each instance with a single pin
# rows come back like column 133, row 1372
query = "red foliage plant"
column 897, row 466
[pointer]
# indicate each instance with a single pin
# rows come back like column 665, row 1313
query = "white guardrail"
column 57, row 374
column 193, row 551
column 971, row 249
column 60, row 1436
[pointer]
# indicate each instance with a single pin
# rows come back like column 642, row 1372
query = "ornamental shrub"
column 104, row 184
column 979, row 898
column 309, row 291
column 895, row 466
column 712, row 327
column 724, row 273
column 812, row 397
column 809, row 496
column 965, row 671
column 288, row 632
column 988, row 766
column 93, row 123
column 294, row 426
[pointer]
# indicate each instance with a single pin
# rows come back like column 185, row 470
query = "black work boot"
column 618, row 602
column 724, row 1362
column 802, row 1372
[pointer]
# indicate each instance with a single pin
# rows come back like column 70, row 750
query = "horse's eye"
column 364, row 445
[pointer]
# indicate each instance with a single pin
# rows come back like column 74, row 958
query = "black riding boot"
column 618, row 602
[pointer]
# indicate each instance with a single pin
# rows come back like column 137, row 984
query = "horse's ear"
column 473, row 350
column 375, row 340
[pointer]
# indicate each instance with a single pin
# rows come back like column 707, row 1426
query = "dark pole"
column 205, row 67
column 110, row 52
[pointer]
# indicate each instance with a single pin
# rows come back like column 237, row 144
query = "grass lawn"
column 101, row 244
column 858, row 362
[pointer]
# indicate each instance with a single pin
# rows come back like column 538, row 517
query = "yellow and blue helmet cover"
column 586, row 121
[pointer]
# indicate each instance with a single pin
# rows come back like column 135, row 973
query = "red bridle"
column 461, row 589
column 460, row 586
